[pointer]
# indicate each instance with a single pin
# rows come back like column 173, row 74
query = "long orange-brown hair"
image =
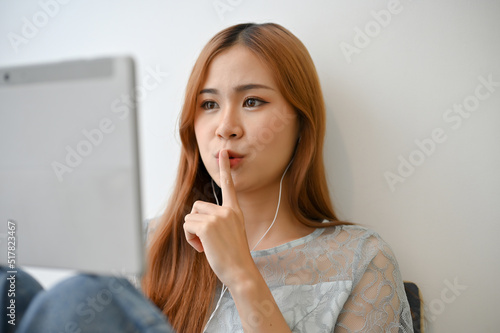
column 178, row 279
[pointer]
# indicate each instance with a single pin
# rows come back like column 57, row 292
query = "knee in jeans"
column 90, row 280
column 95, row 290
column 91, row 284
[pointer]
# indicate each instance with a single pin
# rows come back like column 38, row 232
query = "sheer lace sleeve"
column 378, row 301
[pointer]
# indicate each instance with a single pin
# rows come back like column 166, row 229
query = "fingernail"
column 224, row 153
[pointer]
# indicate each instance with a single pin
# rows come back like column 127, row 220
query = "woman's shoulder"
column 349, row 232
column 361, row 240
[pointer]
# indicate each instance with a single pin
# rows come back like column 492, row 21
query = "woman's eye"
column 253, row 102
column 209, row 105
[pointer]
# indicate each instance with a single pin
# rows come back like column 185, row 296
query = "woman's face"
column 240, row 108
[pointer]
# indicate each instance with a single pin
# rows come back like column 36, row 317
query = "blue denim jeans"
column 80, row 304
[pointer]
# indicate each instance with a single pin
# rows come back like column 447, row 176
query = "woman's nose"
column 230, row 124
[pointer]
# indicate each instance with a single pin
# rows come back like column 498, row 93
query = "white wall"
column 441, row 218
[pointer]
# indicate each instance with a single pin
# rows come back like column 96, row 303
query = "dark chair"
column 416, row 306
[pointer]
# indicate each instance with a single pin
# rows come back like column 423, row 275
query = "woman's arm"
column 256, row 306
column 219, row 232
column 378, row 301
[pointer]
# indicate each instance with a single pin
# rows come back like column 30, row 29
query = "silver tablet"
column 69, row 167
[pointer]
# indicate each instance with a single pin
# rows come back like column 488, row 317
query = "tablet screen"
column 69, row 172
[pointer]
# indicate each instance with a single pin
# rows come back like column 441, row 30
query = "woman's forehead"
column 235, row 67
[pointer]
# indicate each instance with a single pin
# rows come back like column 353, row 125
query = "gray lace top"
column 337, row 279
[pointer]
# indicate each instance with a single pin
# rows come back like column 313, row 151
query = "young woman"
column 273, row 257
column 249, row 241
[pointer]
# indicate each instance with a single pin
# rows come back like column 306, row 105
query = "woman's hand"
column 219, row 231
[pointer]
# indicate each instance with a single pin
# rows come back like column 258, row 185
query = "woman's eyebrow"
column 251, row 86
column 240, row 88
column 209, row 91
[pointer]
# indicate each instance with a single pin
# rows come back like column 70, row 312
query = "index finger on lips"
column 226, row 180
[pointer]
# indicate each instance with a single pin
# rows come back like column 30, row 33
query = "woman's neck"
column 259, row 209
